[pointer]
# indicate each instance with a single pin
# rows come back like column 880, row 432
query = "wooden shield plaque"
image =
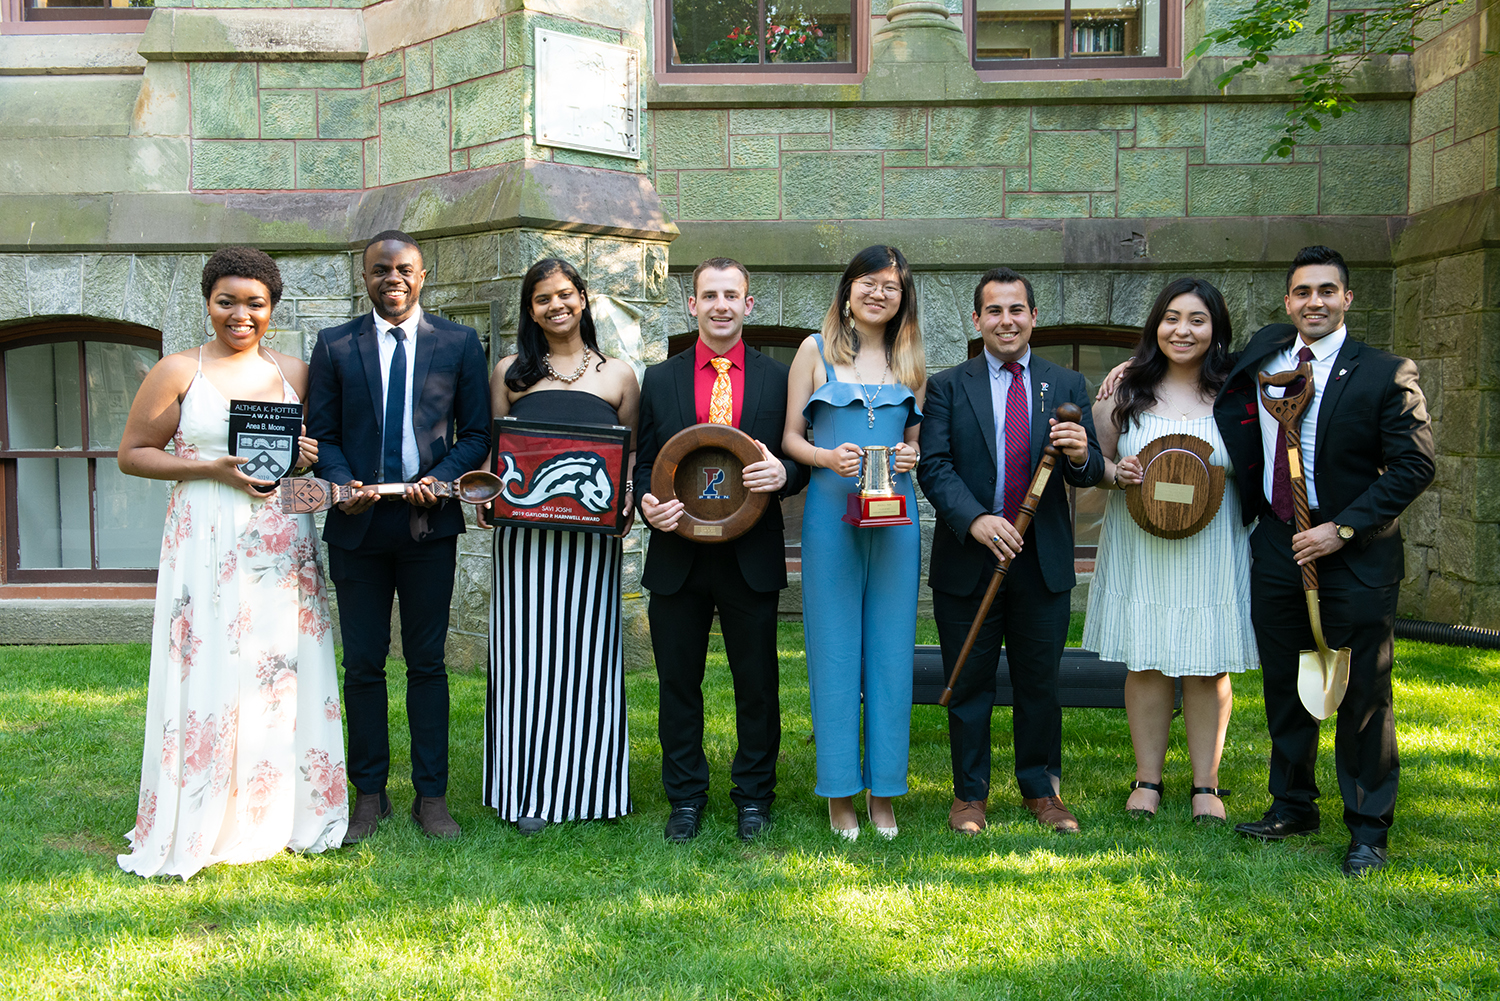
column 1181, row 491
column 701, row 467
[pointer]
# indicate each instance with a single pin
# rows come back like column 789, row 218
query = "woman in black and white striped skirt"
column 556, row 743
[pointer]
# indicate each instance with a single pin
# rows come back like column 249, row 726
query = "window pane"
column 41, row 397
column 45, row 4
column 1095, row 361
column 129, row 517
column 714, row 31
column 1115, row 28
column 1019, row 29
column 114, row 372
column 53, row 498
column 807, row 31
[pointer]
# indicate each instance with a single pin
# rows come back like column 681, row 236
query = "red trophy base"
column 873, row 512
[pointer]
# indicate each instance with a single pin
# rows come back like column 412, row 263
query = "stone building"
column 1071, row 139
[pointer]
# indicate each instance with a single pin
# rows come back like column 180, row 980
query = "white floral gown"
column 244, row 753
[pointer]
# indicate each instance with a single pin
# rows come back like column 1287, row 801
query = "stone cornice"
column 1461, row 226
column 326, row 34
column 527, row 194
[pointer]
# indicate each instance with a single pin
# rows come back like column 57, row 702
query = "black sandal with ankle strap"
column 1157, row 787
column 1208, row 819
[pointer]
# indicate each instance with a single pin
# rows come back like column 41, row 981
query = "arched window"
column 1092, row 351
column 70, row 515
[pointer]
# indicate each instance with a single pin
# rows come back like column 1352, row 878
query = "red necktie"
column 1017, row 444
column 1281, row 474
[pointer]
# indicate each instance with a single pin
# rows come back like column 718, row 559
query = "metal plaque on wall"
column 587, row 95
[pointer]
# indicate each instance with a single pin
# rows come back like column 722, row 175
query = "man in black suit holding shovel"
column 1366, row 453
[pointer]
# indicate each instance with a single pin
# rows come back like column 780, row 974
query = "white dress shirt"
column 1000, row 380
column 1325, row 350
column 409, row 457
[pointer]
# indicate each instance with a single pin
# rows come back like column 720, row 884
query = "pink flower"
column 169, row 752
column 182, row 645
column 145, row 816
column 260, row 791
column 227, row 565
column 277, row 674
column 330, row 786
column 198, row 745
column 735, row 33
column 331, row 710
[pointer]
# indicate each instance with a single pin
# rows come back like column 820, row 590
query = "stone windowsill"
column 60, row 55
column 327, row 34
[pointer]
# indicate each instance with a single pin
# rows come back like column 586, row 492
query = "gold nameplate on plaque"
column 1174, row 493
column 713, row 531
column 885, row 509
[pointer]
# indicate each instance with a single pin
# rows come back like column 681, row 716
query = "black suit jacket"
column 958, row 471
column 450, row 413
column 668, row 406
column 1374, row 446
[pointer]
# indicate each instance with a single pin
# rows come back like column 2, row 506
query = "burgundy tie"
column 1281, row 475
column 1017, row 444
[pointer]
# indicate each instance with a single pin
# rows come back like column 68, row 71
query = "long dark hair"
column 531, row 343
column 903, row 337
column 1148, row 366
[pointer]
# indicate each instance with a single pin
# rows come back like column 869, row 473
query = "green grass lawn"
column 608, row 910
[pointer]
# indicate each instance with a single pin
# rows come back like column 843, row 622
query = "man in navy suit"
column 396, row 396
column 1366, row 455
column 983, row 428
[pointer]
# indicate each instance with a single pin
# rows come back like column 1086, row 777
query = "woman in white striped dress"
column 1172, row 608
column 556, row 743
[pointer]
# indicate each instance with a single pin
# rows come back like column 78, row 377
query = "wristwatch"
column 1345, row 532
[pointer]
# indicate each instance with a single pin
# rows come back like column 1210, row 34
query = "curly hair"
column 243, row 262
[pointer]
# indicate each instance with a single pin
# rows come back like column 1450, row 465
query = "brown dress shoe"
column 370, row 808
column 1050, row 812
column 967, row 816
column 431, row 813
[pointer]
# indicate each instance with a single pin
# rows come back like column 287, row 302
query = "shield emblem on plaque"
column 270, row 455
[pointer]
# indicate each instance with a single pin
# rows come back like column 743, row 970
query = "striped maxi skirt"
column 556, row 741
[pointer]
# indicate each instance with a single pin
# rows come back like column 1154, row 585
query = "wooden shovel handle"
column 1065, row 412
column 1299, row 502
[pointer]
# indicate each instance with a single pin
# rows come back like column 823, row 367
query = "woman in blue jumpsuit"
column 859, row 383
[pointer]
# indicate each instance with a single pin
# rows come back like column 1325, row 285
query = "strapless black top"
column 572, row 405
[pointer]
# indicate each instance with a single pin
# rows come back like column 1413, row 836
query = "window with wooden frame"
column 85, row 10
column 70, row 515
column 1085, row 35
column 1092, row 352
column 760, row 35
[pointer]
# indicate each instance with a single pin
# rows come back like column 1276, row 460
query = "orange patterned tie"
column 721, row 400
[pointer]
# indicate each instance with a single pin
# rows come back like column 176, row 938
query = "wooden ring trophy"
column 1065, row 413
column 702, row 466
column 1181, row 491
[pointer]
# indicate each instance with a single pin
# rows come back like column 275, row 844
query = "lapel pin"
column 1046, row 387
column 1343, row 372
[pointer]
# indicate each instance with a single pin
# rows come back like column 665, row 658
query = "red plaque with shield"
column 561, row 476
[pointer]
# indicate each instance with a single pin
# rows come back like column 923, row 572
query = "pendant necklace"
column 577, row 373
column 870, row 398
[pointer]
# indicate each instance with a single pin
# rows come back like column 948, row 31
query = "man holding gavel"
column 984, row 426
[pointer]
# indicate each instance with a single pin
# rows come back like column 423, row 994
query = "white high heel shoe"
column 889, row 833
column 847, row 833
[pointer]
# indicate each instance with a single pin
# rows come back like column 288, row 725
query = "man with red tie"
column 984, row 425
column 1366, row 454
column 718, row 380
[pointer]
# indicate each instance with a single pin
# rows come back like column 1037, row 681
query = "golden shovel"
column 1322, row 674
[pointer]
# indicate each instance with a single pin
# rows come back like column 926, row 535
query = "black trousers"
column 387, row 563
column 1364, row 743
column 1031, row 623
column 680, row 624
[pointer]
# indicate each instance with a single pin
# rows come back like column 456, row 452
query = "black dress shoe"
column 370, row 808
column 531, row 825
column 684, row 822
column 1363, row 859
column 753, row 819
column 1275, row 827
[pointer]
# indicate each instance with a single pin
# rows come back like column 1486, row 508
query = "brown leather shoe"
column 370, row 808
column 1050, row 812
column 431, row 812
column 967, row 816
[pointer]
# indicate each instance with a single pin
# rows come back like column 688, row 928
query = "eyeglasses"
column 868, row 287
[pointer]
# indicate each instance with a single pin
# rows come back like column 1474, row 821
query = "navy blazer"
column 1374, row 446
column 450, row 413
column 667, row 407
column 958, row 471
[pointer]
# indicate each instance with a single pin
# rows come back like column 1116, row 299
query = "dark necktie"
column 1281, row 475
column 395, row 410
column 1017, row 444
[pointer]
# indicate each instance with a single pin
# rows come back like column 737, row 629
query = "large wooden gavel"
column 1065, row 413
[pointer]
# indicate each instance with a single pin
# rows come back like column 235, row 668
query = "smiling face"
column 1186, row 332
column 556, row 305
column 874, row 298
column 393, row 278
column 240, row 311
column 1316, row 300
column 720, row 301
column 1004, row 320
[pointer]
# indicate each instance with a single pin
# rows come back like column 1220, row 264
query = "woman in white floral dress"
column 244, row 750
